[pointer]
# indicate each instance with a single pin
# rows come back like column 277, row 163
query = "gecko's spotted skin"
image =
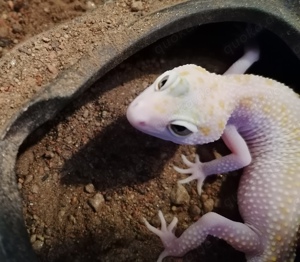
column 259, row 121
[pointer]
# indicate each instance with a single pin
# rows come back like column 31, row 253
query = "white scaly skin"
column 259, row 121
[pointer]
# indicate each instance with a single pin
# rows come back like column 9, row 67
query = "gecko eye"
column 166, row 80
column 182, row 128
column 162, row 82
column 179, row 130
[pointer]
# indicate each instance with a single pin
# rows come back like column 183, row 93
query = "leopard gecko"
column 259, row 120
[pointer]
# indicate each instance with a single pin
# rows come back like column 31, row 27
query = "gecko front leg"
column 239, row 157
column 211, row 223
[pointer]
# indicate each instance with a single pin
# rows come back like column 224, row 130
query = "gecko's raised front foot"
column 166, row 234
column 193, row 168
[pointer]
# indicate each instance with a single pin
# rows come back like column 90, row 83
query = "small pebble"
column 52, row 69
column 10, row 4
column 208, row 205
column 61, row 213
column 96, row 202
column 17, row 28
column 86, row 113
column 46, row 39
column 136, row 6
column 4, row 29
column 90, row 5
column 72, row 219
column 104, row 113
column 48, row 154
column 25, row 50
column 40, row 237
column 13, row 62
column 48, row 232
column 35, row 189
column 194, row 211
column 203, row 197
column 74, row 200
column 37, row 245
column 33, row 238
column 179, row 195
column 89, row 188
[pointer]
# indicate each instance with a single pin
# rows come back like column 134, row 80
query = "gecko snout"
column 135, row 115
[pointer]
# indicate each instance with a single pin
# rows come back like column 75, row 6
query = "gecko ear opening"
column 182, row 128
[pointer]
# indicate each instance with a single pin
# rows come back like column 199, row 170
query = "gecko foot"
column 166, row 234
column 193, row 168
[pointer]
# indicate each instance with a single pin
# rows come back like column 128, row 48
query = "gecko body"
column 259, row 121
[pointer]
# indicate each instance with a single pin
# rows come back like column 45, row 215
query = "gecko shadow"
column 117, row 157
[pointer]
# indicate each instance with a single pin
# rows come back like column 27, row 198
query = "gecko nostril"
column 141, row 123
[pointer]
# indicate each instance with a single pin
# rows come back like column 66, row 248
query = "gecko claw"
column 182, row 170
column 186, row 161
column 164, row 228
column 165, row 233
column 195, row 169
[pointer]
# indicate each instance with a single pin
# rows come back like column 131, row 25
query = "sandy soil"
column 88, row 178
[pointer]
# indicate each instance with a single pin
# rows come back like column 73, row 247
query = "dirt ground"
column 87, row 177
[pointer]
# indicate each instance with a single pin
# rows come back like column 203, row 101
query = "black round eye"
column 162, row 82
column 179, row 130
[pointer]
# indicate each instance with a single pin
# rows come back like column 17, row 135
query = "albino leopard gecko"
column 259, row 121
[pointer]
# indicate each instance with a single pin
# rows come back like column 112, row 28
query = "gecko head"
column 170, row 108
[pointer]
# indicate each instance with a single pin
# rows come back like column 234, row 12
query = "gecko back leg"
column 240, row 236
column 251, row 55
